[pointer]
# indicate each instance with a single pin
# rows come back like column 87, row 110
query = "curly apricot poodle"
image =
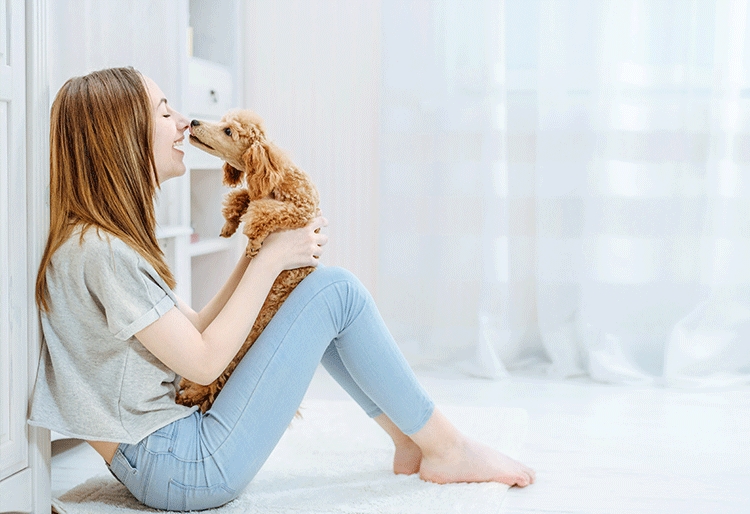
column 269, row 193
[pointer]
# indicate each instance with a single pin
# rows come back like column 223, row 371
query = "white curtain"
column 564, row 188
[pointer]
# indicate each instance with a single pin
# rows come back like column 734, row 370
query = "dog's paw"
column 228, row 229
column 190, row 398
column 252, row 250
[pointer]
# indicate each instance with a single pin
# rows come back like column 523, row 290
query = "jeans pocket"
column 125, row 466
column 185, row 497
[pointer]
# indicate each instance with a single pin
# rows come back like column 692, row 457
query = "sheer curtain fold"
column 443, row 182
column 565, row 188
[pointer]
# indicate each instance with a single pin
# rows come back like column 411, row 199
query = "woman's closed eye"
column 168, row 111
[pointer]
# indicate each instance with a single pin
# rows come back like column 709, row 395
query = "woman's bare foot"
column 471, row 461
column 408, row 456
column 407, row 459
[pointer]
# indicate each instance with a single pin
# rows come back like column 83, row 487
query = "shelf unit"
column 189, row 208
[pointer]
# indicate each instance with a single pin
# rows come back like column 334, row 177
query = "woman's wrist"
column 265, row 262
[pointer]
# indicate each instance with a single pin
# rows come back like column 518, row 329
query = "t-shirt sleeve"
column 127, row 288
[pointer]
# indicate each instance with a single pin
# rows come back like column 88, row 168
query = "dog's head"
column 240, row 140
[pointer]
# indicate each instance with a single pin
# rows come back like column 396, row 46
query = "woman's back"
column 101, row 292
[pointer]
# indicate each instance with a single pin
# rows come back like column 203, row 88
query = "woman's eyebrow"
column 160, row 102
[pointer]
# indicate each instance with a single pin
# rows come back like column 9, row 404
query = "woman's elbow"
column 204, row 377
column 203, row 372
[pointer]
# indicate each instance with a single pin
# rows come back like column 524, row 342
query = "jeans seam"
column 222, row 485
column 148, row 472
column 175, row 457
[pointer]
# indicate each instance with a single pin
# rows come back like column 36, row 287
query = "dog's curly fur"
column 270, row 193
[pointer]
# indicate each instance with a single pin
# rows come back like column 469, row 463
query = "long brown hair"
column 102, row 170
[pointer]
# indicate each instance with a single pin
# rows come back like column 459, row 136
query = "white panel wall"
column 312, row 71
column 87, row 35
column 149, row 35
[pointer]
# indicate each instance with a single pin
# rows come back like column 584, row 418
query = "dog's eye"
column 228, row 131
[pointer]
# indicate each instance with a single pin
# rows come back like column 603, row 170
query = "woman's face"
column 169, row 126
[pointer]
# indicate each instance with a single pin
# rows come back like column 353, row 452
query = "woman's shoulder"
column 96, row 240
column 92, row 245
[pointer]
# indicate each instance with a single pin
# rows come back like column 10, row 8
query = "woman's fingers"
column 317, row 223
column 298, row 247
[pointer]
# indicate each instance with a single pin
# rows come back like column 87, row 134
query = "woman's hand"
column 295, row 248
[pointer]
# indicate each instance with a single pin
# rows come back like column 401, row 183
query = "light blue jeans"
column 205, row 460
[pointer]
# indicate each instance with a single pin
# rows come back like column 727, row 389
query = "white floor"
column 596, row 448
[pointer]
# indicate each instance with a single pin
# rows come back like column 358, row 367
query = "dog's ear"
column 264, row 166
column 232, row 175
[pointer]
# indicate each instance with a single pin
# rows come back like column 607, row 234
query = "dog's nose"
column 195, row 123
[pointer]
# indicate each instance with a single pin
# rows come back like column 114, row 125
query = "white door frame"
column 25, row 466
column 37, row 202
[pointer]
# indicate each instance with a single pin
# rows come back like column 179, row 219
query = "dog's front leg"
column 235, row 205
column 265, row 216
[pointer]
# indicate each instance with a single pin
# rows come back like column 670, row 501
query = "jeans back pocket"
column 131, row 470
column 185, row 497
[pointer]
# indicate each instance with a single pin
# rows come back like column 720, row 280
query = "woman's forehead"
column 154, row 92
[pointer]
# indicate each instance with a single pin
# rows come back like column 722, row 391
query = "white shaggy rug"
column 337, row 460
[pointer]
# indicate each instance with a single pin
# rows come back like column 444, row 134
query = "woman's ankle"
column 396, row 435
column 438, row 438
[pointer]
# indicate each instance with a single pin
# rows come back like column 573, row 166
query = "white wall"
column 87, row 35
column 312, row 71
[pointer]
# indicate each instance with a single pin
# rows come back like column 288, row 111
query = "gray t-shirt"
column 96, row 381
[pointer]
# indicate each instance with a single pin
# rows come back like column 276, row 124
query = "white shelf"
column 168, row 231
column 208, row 246
column 210, row 88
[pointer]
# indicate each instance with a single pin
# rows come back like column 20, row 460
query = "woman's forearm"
column 202, row 355
column 227, row 331
column 206, row 315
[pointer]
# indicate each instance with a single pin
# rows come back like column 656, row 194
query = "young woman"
column 117, row 338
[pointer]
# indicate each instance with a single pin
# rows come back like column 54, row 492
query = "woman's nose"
column 182, row 122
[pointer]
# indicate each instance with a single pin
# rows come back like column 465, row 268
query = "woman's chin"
column 176, row 171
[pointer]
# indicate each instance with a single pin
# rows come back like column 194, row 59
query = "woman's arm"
column 201, row 355
column 202, row 319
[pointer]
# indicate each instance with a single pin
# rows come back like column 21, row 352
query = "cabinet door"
column 15, row 486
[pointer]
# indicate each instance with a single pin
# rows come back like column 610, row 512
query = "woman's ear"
column 264, row 165
column 231, row 175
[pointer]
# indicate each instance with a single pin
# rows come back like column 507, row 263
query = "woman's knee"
column 338, row 287
column 325, row 276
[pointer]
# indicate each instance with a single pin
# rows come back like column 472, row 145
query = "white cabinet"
column 24, row 481
column 210, row 91
column 189, row 209
column 14, row 279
